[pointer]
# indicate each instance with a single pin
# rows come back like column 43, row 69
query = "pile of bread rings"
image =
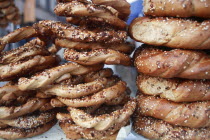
column 174, row 70
column 8, row 13
column 88, row 100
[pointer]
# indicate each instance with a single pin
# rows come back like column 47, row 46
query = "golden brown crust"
column 177, row 90
column 30, row 49
column 67, row 31
column 16, row 133
column 122, row 6
column 121, row 47
column 49, row 76
column 177, row 8
column 194, row 115
column 30, row 106
column 76, row 91
column 30, row 121
column 73, row 131
column 100, row 97
column 157, row 129
column 171, row 32
column 26, row 67
column 89, row 10
column 105, row 121
column 17, row 35
column 106, row 56
column 106, row 72
column 173, row 63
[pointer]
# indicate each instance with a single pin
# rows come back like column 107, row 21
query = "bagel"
column 194, row 115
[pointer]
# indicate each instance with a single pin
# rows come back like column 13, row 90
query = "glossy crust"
column 157, row 129
column 88, row 10
column 49, row 76
column 177, row 90
column 194, row 115
column 106, row 56
column 171, row 32
column 177, row 8
column 17, row 133
column 172, row 63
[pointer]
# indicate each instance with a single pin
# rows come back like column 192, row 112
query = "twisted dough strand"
column 174, row 63
column 177, row 90
column 67, row 31
column 17, row 35
column 26, row 67
column 121, row 47
column 17, row 133
column 107, row 56
column 101, row 97
column 29, row 107
column 104, row 13
column 192, row 115
column 49, row 76
column 158, row 129
column 30, row 121
column 171, row 32
column 76, row 91
column 189, row 8
column 31, row 48
column 105, row 121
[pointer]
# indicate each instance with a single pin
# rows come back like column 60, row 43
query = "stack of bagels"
column 173, row 101
column 22, row 113
column 90, row 101
column 98, row 103
column 8, row 13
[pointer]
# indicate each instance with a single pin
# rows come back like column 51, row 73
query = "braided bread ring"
column 17, row 35
column 171, row 32
column 37, row 63
column 99, row 12
column 30, row 121
column 67, row 31
column 174, row 63
column 98, row 98
column 30, row 106
column 32, row 48
column 192, row 115
column 17, row 133
column 157, row 129
column 177, row 90
column 121, row 47
column 105, row 121
column 49, row 76
column 76, row 91
column 106, row 56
